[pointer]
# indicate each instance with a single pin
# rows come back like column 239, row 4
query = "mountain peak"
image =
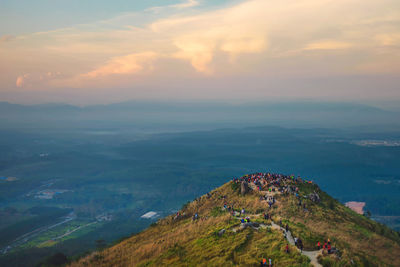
column 260, row 217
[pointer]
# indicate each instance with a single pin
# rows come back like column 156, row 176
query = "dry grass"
column 185, row 243
column 346, row 229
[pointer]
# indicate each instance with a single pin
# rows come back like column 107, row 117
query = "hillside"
column 217, row 237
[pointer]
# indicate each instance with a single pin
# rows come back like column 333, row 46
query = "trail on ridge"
column 313, row 254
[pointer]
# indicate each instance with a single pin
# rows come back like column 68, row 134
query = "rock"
column 314, row 197
column 244, row 188
column 244, row 225
column 249, row 224
column 220, row 233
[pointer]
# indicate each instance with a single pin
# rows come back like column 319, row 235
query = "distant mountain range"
column 195, row 114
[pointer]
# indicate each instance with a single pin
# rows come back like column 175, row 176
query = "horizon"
column 385, row 105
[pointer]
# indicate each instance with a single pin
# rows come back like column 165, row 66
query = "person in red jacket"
column 287, row 248
column 264, row 262
column 319, row 245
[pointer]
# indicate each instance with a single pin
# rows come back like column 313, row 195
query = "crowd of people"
column 285, row 184
column 271, row 183
column 326, row 246
column 262, row 180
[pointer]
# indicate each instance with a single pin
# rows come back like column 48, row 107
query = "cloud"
column 28, row 80
column 388, row 39
column 254, row 37
column 21, row 80
column 328, row 45
column 183, row 5
column 129, row 64
column 200, row 54
column 6, row 38
column 187, row 4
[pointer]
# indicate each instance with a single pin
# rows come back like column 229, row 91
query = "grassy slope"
column 359, row 239
column 185, row 243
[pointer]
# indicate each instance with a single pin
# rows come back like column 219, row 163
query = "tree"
column 367, row 214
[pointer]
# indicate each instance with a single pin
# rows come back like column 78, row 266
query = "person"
column 287, row 248
column 195, row 216
column 270, row 262
column 264, row 262
column 319, row 245
column 329, row 248
column 300, row 242
column 280, row 222
column 301, row 247
column 295, row 241
column 329, row 241
column 287, row 227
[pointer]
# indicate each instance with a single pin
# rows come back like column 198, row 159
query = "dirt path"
column 312, row 255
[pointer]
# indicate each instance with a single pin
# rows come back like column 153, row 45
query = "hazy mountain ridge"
column 196, row 115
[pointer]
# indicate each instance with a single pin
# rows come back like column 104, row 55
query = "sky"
column 99, row 51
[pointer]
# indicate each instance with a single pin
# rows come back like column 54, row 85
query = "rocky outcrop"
column 244, row 188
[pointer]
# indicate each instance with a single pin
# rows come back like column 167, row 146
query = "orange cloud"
column 20, row 82
column 129, row 64
column 245, row 37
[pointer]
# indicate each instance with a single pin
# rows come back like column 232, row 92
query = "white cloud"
column 187, row 4
column 182, row 5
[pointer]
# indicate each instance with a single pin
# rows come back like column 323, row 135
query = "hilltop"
column 253, row 218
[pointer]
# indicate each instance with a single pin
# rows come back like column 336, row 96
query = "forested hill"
column 255, row 218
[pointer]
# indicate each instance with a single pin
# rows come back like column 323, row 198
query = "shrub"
column 235, row 187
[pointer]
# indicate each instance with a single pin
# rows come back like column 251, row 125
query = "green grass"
column 309, row 238
column 217, row 211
